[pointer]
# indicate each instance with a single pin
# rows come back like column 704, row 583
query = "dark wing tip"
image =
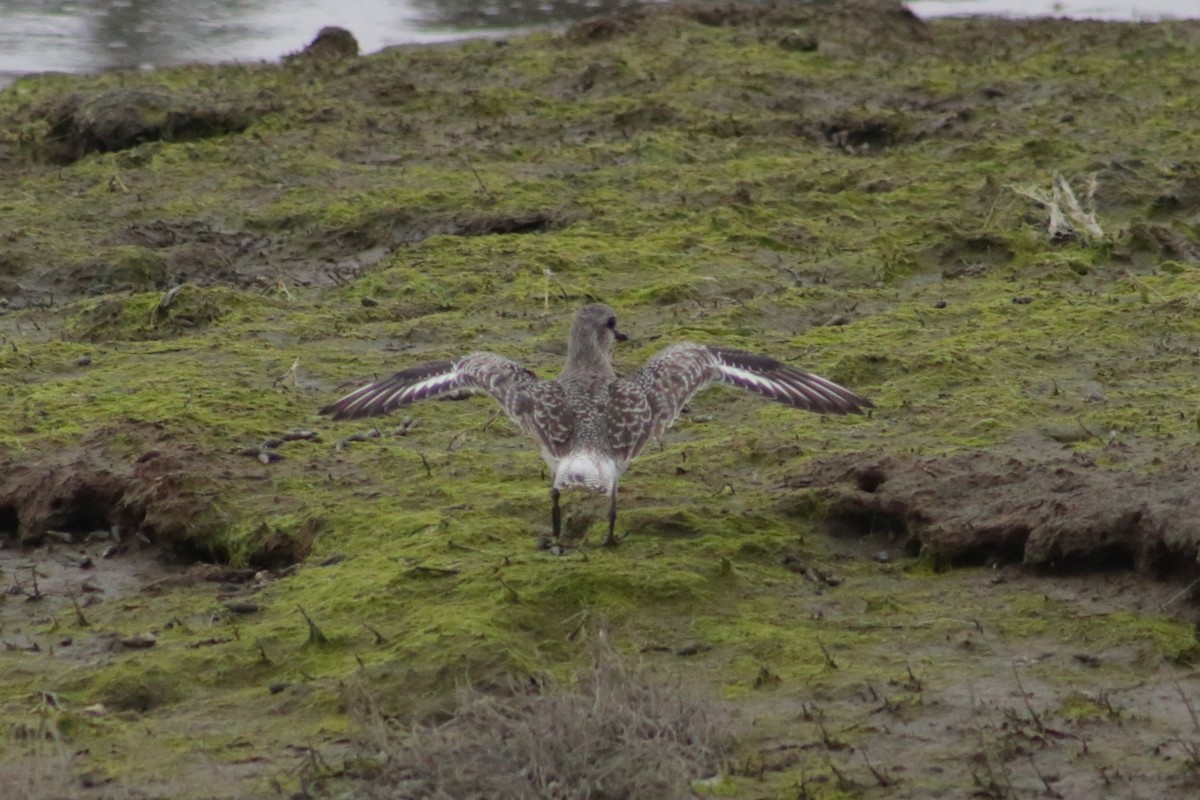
column 864, row 405
column 401, row 389
column 352, row 406
column 337, row 411
column 851, row 403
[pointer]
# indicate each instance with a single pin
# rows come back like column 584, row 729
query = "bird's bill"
column 620, row 337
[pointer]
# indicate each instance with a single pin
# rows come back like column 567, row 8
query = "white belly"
column 587, row 470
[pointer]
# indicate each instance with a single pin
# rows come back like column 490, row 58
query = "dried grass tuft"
column 614, row 733
column 1067, row 218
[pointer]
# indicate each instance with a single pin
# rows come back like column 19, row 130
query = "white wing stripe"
column 805, row 388
column 433, row 383
column 394, row 397
column 505, row 380
column 753, row 379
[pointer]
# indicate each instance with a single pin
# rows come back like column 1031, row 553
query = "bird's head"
column 597, row 322
column 592, row 335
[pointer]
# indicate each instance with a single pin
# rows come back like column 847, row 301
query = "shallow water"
column 95, row 35
column 1113, row 10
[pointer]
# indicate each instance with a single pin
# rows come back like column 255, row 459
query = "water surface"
column 95, row 35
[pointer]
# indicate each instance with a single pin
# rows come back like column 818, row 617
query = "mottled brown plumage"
column 589, row 423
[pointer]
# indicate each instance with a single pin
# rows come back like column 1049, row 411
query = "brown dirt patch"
column 75, row 492
column 399, row 227
column 104, row 122
column 980, row 507
column 163, row 496
column 82, row 525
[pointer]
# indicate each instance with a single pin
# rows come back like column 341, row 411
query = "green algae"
column 713, row 185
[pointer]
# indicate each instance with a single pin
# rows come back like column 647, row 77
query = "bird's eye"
column 612, row 322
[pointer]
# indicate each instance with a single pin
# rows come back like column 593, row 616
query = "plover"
column 590, row 423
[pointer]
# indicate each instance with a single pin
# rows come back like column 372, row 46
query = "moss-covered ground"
column 848, row 190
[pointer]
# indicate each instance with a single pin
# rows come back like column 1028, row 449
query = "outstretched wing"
column 500, row 377
column 670, row 378
column 531, row 403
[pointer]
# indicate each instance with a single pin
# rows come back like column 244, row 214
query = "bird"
column 589, row 423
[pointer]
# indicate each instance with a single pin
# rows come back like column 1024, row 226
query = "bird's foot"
column 612, row 540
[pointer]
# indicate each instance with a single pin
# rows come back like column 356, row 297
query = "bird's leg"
column 611, row 540
column 555, row 513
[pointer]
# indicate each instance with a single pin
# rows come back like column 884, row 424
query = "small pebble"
column 242, row 607
column 91, row 779
column 693, row 649
column 798, row 42
column 139, row 642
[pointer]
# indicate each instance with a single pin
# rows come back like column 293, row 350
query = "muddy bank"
column 983, row 508
column 167, row 496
